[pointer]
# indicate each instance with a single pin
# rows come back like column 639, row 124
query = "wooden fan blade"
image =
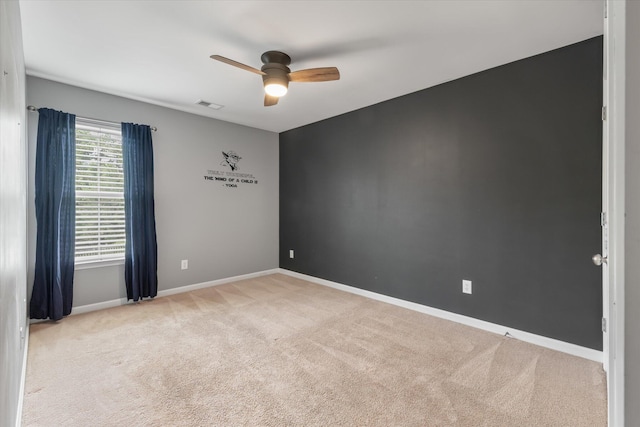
column 324, row 74
column 270, row 100
column 237, row 64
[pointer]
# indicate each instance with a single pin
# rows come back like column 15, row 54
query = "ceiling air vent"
column 209, row 104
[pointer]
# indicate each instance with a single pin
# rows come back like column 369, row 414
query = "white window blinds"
column 100, row 232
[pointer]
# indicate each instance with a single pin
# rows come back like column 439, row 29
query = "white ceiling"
column 158, row 51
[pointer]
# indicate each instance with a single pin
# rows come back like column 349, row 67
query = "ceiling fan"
column 276, row 74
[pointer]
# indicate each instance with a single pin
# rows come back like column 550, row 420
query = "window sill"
column 97, row 264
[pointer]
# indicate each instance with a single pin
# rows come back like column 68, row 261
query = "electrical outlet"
column 291, row 253
column 184, row 264
column 466, row 286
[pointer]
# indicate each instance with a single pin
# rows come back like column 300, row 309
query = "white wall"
column 632, row 232
column 223, row 232
column 13, row 228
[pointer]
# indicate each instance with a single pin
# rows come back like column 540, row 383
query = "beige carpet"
column 278, row 351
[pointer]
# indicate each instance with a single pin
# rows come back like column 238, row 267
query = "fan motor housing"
column 275, row 74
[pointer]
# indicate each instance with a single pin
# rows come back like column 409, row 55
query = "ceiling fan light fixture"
column 275, row 79
column 276, row 74
column 275, row 89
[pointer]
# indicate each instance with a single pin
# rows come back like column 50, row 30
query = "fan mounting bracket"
column 275, row 56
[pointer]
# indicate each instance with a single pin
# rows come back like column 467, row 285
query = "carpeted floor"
column 279, row 351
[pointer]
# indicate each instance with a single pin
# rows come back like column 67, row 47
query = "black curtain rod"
column 33, row 109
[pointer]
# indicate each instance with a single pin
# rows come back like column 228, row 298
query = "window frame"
column 101, row 259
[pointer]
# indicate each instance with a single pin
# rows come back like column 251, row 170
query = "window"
column 100, row 232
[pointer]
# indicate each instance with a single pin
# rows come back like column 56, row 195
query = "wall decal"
column 230, row 179
column 231, row 159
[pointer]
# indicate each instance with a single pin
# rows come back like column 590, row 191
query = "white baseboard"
column 97, row 306
column 23, row 377
column 553, row 344
column 218, row 282
column 122, row 301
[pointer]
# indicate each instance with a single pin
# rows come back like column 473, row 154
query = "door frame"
column 614, row 205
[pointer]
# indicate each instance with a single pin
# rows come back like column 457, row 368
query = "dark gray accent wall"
column 493, row 178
